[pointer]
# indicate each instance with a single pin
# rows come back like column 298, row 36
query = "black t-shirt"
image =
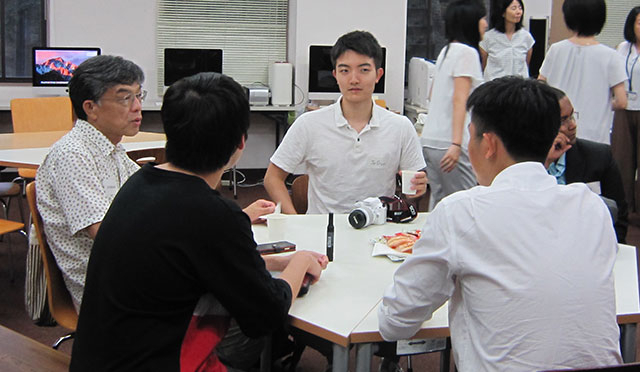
column 167, row 239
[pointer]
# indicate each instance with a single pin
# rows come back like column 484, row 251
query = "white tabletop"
column 342, row 306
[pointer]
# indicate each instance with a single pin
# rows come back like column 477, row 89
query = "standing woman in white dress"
column 591, row 74
column 625, row 136
column 506, row 48
column 458, row 72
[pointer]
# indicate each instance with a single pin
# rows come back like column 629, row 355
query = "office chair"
column 58, row 296
column 147, row 155
column 299, row 189
column 7, row 226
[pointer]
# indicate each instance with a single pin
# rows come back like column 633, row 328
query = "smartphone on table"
column 276, row 247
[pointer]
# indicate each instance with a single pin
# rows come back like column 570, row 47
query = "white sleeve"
column 530, row 41
column 616, row 70
column 547, row 65
column 291, row 151
column 411, row 157
column 421, row 284
column 467, row 64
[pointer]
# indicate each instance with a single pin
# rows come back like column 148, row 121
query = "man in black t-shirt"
column 169, row 239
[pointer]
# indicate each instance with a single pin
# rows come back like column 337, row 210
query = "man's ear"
column 491, row 144
column 242, row 143
column 379, row 74
column 89, row 108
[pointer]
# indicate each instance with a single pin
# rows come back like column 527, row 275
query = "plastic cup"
column 407, row 176
column 277, row 226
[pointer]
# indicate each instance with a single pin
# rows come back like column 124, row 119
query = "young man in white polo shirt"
column 352, row 149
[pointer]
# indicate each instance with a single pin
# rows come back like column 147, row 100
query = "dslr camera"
column 368, row 211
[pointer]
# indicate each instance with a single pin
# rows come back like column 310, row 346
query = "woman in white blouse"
column 590, row 73
column 458, row 71
column 506, row 47
column 625, row 136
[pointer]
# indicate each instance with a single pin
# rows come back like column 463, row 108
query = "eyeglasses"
column 129, row 99
column 573, row 117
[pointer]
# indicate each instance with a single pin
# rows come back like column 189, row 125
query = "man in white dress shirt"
column 529, row 288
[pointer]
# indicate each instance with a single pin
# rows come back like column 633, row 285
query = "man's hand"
column 418, row 183
column 560, row 145
column 259, row 208
column 450, row 158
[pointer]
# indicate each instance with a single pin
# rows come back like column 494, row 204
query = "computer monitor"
column 53, row 67
column 421, row 75
column 322, row 84
column 180, row 63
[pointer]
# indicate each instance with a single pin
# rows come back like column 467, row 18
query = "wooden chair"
column 40, row 114
column 145, row 156
column 299, row 189
column 58, row 296
column 7, row 226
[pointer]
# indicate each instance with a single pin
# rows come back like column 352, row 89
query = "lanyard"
column 633, row 65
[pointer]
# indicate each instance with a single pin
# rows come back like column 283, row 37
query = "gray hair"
column 96, row 75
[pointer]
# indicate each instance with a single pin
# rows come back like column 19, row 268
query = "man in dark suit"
column 573, row 159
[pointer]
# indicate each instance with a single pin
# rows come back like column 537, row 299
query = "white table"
column 342, row 306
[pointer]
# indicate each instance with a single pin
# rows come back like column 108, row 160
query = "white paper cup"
column 277, row 226
column 407, row 176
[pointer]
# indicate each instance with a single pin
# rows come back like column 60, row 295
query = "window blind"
column 617, row 11
column 251, row 33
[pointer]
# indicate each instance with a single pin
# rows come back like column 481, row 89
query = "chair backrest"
column 41, row 114
column 299, row 189
column 58, row 296
column 147, row 155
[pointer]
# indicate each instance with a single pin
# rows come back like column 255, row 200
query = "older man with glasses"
column 573, row 159
column 85, row 169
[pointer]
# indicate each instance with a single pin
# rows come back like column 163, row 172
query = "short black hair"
column 361, row 42
column 205, row 117
column 629, row 33
column 586, row 17
column 461, row 21
column 524, row 113
column 96, row 75
column 497, row 10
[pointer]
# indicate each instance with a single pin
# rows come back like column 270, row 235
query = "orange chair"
column 40, row 114
column 6, row 227
column 147, row 155
column 58, row 296
column 299, row 189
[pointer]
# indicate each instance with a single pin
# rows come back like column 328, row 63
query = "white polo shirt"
column 345, row 166
column 75, row 186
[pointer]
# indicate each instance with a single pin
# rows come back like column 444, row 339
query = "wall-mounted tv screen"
column 180, row 63
column 54, row 67
column 321, row 78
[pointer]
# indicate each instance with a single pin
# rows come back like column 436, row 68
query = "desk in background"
column 28, row 150
column 342, row 306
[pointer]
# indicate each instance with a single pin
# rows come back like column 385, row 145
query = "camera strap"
column 398, row 209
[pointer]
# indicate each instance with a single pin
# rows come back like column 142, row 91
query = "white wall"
column 128, row 28
column 322, row 22
column 537, row 9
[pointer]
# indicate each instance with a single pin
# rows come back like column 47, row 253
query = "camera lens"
column 358, row 218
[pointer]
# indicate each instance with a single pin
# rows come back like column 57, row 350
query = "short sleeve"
column 79, row 190
column 412, row 157
column 616, row 70
column 467, row 64
column 547, row 65
column 291, row 151
column 529, row 40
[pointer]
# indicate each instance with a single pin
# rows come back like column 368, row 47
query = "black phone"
column 276, row 247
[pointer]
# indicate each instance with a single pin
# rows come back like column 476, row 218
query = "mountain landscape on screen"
column 56, row 69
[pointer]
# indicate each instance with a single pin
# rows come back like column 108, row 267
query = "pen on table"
column 330, row 238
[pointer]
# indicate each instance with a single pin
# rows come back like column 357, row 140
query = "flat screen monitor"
column 54, row 67
column 180, row 63
column 321, row 81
